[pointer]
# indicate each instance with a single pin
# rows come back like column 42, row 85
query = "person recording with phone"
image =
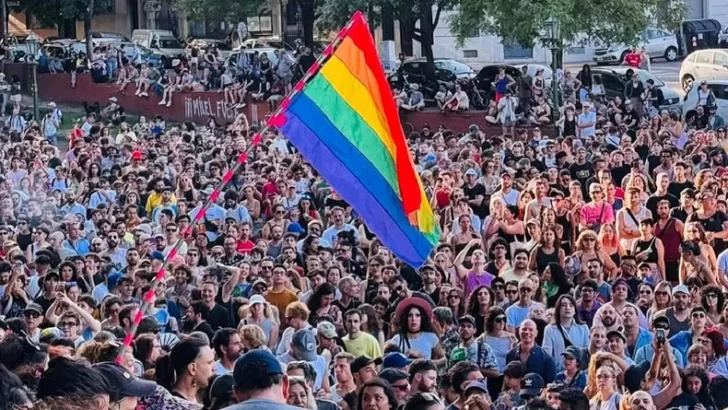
column 660, row 326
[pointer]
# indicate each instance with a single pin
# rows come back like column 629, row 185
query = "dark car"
column 486, row 76
column 614, row 80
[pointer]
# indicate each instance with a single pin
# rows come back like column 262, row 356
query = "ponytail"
column 164, row 372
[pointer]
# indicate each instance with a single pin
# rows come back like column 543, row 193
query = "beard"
column 608, row 321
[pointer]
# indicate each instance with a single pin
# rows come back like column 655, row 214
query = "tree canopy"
column 601, row 21
column 218, row 10
column 54, row 12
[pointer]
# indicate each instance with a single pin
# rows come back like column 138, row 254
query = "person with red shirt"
column 633, row 58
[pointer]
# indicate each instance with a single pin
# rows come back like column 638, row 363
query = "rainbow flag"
column 344, row 121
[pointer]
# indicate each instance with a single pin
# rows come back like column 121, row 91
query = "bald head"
column 641, row 400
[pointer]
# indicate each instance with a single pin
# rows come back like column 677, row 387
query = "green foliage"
column 53, row 12
column 600, row 21
column 334, row 14
column 218, row 10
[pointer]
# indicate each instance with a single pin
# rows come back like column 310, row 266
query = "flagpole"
column 148, row 297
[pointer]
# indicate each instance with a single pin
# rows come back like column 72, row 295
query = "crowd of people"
column 584, row 272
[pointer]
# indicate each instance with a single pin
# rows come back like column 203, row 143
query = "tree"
column 218, row 10
column 56, row 12
column 604, row 21
column 419, row 18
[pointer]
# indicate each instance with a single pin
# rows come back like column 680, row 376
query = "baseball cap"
column 661, row 319
column 256, row 299
column 634, row 375
column 326, row 329
column 531, row 385
column 680, row 289
column 395, row 359
column 617, row 333
column 34, row 307
column 304, row 341
column 393, row 375
column 363, row 361
column 124, row 384
column 471, row 171
column 262, row 359
column 572, row 352
column 112, row 280
column 467, row 319
column 477, row 386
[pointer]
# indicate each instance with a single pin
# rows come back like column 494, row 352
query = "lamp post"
column 552, row 28
column 33, row 43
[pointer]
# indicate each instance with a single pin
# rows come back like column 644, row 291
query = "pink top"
column 473, row 280
column 590, row 213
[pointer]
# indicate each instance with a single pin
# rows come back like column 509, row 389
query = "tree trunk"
column 308, row 16
column 87, row 28
column 387, row 22
column 406, row 32
column 426, row 35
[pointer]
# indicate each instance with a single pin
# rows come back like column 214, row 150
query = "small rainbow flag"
column 343, row 119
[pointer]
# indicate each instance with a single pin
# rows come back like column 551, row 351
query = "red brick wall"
column 197, row 106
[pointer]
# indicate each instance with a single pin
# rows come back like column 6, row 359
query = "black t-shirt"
column 675, row 188
column 683, row 401
column 471, row 193
column 618, row 174
column 712, row 224
column 582, row 173
column 631, row 115
column 219, row 317
column 653, row 200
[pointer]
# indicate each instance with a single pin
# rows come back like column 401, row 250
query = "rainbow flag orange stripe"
column 346, row 124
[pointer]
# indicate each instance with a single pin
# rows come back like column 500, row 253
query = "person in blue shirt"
column 536, row 359
column 572, row 375
column 685, row 338
column 647, row 352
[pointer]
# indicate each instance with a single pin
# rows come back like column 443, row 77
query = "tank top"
column 501, row 85
column 670, row 240
column 543, row 259
column 645, row 245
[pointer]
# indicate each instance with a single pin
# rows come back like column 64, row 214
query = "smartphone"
column 660, row 334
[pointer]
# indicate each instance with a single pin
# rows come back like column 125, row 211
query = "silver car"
column 700, row 65
column 658, row 44
column 719, row 89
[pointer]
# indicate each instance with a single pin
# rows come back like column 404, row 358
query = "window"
column 720, row 59
column 612, row 83
column 692, row 57
column 415, row 68
column 470, row 53
column 703, row 58
column 720, row 91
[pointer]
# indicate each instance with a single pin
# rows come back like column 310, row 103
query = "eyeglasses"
column 645, row 292
column 698, row 315
column 62, row 325
column 171, row 230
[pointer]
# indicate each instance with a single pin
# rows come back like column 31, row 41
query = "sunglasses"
column 645, row 292
column 525, row 289
column 511, row 291
column 698, row 315
column 711, row 295
column 67, row 324
column 31, row 315
column 661, row 293
column 500, row 319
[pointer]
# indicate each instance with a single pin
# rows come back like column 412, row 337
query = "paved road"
column 667, row 72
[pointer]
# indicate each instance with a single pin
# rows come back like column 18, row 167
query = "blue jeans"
column 53, row 139
column 111, row 66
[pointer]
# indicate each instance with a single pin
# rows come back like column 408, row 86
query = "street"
column 665, row 71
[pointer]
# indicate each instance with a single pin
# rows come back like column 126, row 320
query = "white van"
column 162, row 41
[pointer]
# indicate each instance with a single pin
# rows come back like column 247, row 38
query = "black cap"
column 617, row 333
column 124, row 384
column 467, row 319
column 363, row 361
column 393, row 375
column 222, row 388
column 34, row 307
column 661, row 319
column 531, row 385
column 634, row 375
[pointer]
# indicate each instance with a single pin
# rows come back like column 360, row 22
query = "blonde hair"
column 583, row 235
column 300, row 381
column 253, row 336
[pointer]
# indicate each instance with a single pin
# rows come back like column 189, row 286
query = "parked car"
column 658, row 43
column 487, row 75
column 162, row 41
column 224, row 48
column 723, row 38
column 614, row 80
column 711, row 64
column 232, row 59
column 720, row 90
